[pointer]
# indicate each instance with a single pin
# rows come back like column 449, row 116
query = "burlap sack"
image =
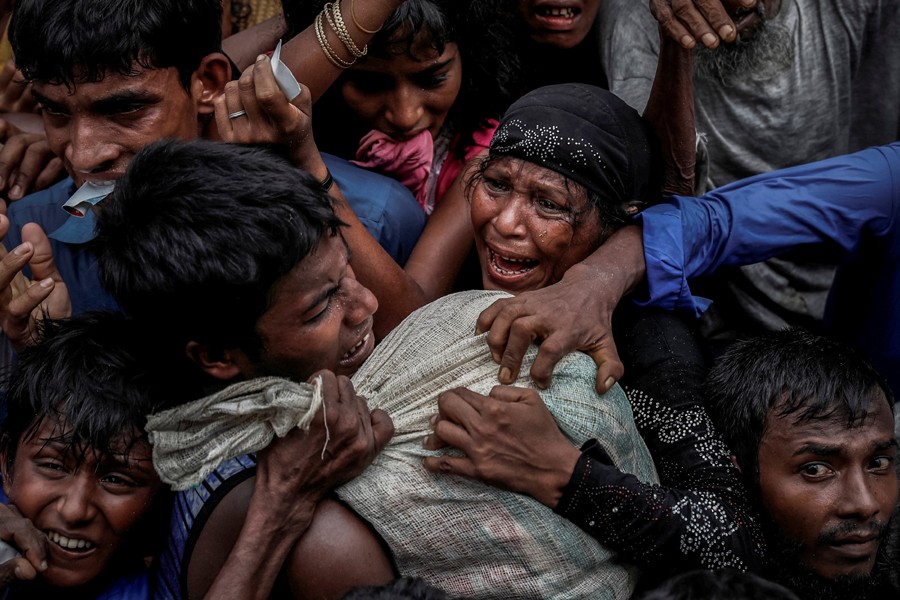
column 466, row 537
column 463, row 536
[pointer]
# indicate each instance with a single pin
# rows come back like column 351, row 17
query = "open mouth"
column 355, row 349
column 508, row 266
column 70, row 544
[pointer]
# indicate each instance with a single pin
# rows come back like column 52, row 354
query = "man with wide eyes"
column 812, row 432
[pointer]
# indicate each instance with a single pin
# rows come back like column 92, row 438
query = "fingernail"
column 18, row 572
column 748, row 3
column 541, row 385
column 21, row 249
column 688, row 42
column 47, row 282
column 708, row 39
column 433, row 420
column 16, row 191
column 610, row 381
column 425, row 441
column 495, row 356
column 43, row 565
column 261, row 57
column 505, row 375
column 726, row 31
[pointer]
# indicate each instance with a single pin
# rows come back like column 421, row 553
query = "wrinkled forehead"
column 834, row 417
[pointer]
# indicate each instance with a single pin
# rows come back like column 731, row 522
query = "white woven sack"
column 461, row 535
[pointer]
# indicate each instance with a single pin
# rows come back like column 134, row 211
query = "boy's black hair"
column 88, row 376
column 797, row 374
column 196, row 234
column 77, row 41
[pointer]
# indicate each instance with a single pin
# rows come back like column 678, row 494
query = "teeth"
column 69, row 543
column 358, row 345
column 551, row 11
column 508, row 272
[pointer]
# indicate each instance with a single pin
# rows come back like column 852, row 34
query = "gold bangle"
column 332, row 12
column 329, row 52
column 358, row 26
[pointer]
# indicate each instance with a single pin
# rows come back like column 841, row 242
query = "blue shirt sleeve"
column 839, row 200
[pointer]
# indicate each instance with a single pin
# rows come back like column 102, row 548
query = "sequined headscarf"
column 585, row 133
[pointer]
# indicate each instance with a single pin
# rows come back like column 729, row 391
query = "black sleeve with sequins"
column 699, row 517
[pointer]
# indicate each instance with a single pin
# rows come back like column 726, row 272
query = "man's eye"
column 816, row 470
column 882, row 463
column 51, row 111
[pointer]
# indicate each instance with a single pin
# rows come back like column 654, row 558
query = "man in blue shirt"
column 101, row 103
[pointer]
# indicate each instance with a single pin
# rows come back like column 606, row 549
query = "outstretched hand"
column 296, row 471
column 706, row 21
column 573, row 314
column 509, row 438
column 28, row 540
column 22, row 301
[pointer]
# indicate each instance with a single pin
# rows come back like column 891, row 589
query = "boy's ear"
column 220, row 364
column 208, row 81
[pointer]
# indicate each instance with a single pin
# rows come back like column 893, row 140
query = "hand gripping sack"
column 461, row 535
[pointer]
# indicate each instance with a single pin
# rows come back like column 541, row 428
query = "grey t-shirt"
column 839, row 94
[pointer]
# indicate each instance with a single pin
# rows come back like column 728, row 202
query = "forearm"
column 651, row 525
column 397, row 292
column 670, row 111
column 244, row 46
column 616, row 267
column 305, row 57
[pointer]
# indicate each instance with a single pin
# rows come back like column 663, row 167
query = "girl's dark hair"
column 442, row 22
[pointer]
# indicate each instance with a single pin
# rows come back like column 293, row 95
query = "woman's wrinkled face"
column 531, row 224
column 408, row 93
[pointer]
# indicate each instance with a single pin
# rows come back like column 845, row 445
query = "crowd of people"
column 439, row 299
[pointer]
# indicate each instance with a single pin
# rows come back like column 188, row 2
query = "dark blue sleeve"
column 839, row 200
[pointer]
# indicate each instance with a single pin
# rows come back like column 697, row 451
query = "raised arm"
column 304, row 55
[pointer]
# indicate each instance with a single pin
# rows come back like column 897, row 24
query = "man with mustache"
column 812, row 433
column 777, row 83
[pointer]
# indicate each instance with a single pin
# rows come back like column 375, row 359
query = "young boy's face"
column 320, row 318
column 84, row 508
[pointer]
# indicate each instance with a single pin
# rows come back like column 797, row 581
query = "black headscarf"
column 585, row 133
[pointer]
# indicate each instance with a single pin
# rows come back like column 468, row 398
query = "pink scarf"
column 409, row 161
